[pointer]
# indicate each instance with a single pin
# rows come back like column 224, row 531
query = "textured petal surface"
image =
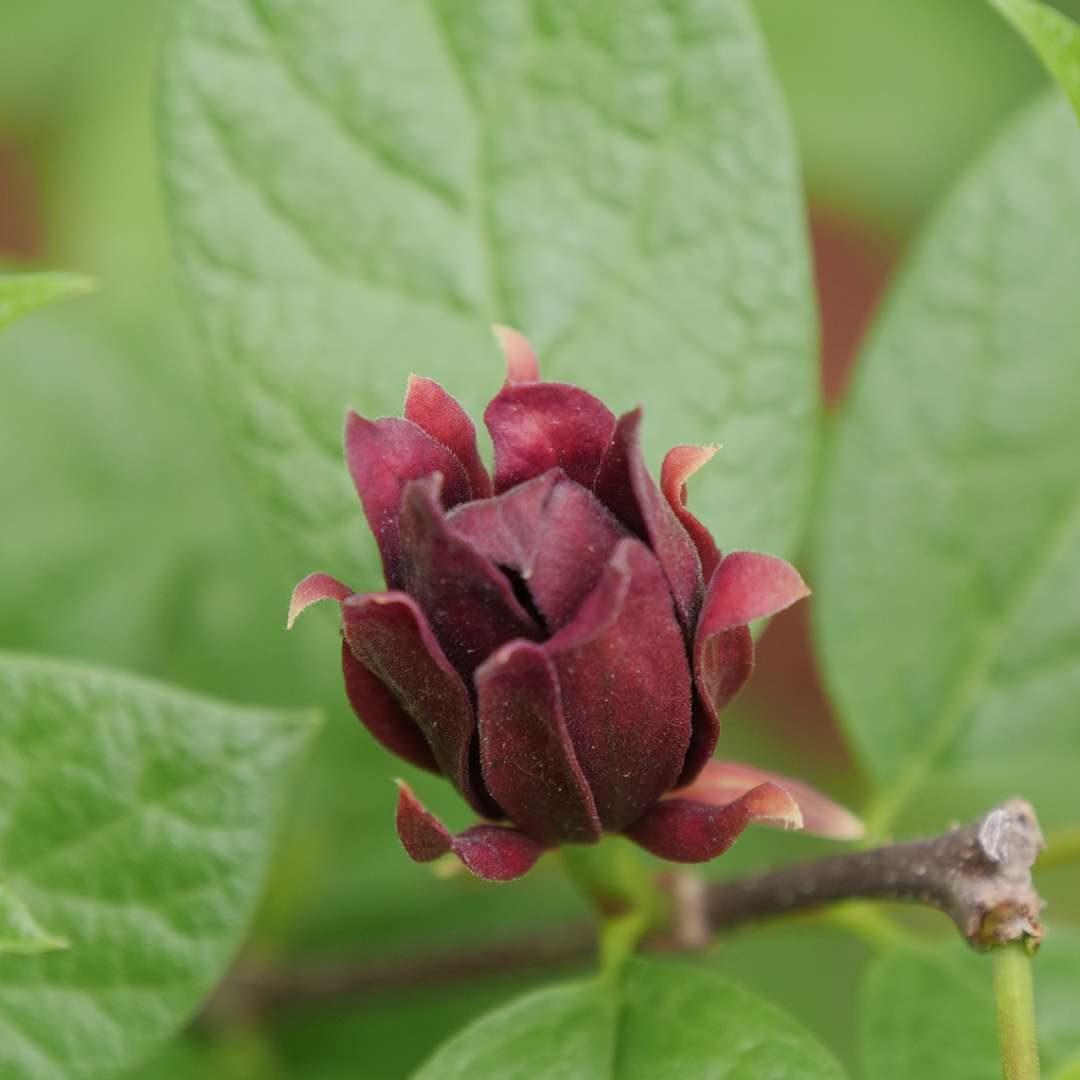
column 553, row 533
column 626, row 488
column 470, row 605
column 383, row 456
column 722, row 782
column 745, row 586
column 691, row 832
column 537, row 426
column 381, row 714
column 680, row 463
column 388, row 634
column 491, row 852
column 521, row 362
column 626, row 686
column 526, row 755
column 311, row 590
column 430, row 407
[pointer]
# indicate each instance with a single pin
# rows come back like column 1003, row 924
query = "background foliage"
column 627, row 191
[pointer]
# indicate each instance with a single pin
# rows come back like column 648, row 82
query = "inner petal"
column 550, row 536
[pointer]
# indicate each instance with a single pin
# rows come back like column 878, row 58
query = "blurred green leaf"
column 126, row 520
column 931, row 1014
column 137, row 822
column 949, row 541
column 22, row 293
column 891, row 100
column 358, row 189
column 20, row 932
column 663, row 1019
column 1053, row 36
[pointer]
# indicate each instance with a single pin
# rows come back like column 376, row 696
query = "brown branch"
column 979, row 875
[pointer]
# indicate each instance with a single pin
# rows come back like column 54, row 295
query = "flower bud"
column 558, row 639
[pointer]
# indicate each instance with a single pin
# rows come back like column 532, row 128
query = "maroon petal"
column 551, row 532
column 521, row 362
column 311, row 590
column 680, row 463
column 470, row 605
column 388, row 634
column 691, row 832
column 383, row 455
column 380, row 712
column 626, row 488
column 625, row 685
column 722, row 782
column 746, row 586
column 491, row 852
column 526, row 756
column 430, row 407
column 537, row 426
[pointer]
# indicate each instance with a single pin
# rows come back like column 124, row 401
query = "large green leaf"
column 1055, row 37
column 931, row 1014
column 949, row 540
column 22, row 293
column 663, row 1020
column 20, row 932
column 136, row 822
column 358, row 188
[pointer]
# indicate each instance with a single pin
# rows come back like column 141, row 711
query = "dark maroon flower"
column 558, row 640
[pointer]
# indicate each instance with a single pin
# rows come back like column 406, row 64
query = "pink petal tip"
column 311, row 590
column 521, row 362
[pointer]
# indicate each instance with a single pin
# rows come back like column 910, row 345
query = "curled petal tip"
column 311, row 590
column 521, row 362
column 722, row 782
column 770, row 804
column 423, row 836
column 491, row 852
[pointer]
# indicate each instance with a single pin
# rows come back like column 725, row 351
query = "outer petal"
column 626, row 488
column 690, row 832
column 521, row 362
column 491, row 852
column 383, row 455
column 680, row 463
column 430, row 407
column 722, row 782
column 625, row 686
column 552, row 532
column 311, row 590
column 746, row 586
column 388, row 634
column 527, row 759
column 537, row 426
column 470, row 605
column 380, row 712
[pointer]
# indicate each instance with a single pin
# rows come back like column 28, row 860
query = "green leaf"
column 357, row 189
column 931, row 1014
column 22, row 293
column 20, row 932
column 948, row 547
column 891, row 100
column 137, row 822
column 663, row 1020
column 1053, row 36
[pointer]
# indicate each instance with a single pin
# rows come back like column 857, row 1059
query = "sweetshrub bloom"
column 557, row 640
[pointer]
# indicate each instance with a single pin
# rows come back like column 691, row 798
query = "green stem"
column 1016, row 1013
column 623, row 894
